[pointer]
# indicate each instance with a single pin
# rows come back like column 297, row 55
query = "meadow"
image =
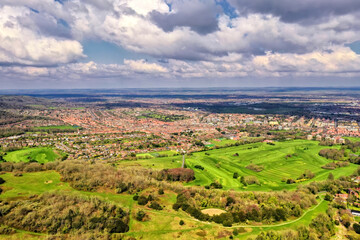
column 58, row 127
column 160, row 224
column 280, row 161
column 39, row 154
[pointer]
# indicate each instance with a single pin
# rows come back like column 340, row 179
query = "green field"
column 156, row 154
column 161, row 224
column 40, row 155
column 60, row 127
column 220, row 164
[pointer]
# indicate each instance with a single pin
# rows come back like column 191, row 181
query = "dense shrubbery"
column 177, row 174
column 199, row 167
column 321, row 227
column 249, row 180
column 334, row 165
column 255, row 168
column 306, row 175
column 333, row 154
column 242, row 207
column 89, row 177
column 54, row 213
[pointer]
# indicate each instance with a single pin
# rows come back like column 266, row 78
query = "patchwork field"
column 280, row 161
column 40, row 155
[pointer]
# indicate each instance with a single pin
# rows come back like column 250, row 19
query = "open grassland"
column 159, row 224
column 156, row 154
column 280, row 161
column 60, row 127
column 40, row 155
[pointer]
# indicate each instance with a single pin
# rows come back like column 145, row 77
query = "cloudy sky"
column 178, row 43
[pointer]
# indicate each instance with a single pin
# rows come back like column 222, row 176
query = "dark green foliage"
column 331, row 176
column 142, row 200
column 216, row 185
column 229, row 201
column 140, row 215
column 235, row 175
column 155, row 205
column 2, row 180
column 356, row 228
column 290, row 181
column 135, row 197
column 242, row 180
column 328, row 197
column 181, row 222
column 122, row 187
column 161, row 191
column 199, row 167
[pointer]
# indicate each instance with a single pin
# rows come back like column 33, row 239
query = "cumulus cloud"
column 199, row 15
column 305, row 11
column 143, row 66
column 24, row 44
column 193, row 39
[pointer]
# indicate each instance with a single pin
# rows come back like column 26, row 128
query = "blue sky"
column 179, row 43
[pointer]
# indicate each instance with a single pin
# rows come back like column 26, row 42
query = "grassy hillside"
column 221, row 164
column 40, row 154
column 160, row 224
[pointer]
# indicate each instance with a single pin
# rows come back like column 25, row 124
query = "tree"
column 140, row 215
column 242, row 180
column 181, row 222
column 235, row 175
column 331, row 176
column 356, row 227
column 142, row 200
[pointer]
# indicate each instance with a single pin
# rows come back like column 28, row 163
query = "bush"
column 216, row 185
column 2, row 180
column 140, row 215
column 181, row 222
column 251, row 180
column 199, row 167
column 290, row 181
column 235, row 175
column 161, row 191
column 156, row 206
column 255, row 168
column 142, row 200
column 135, row 197
column 177, row 174
column 64, row 214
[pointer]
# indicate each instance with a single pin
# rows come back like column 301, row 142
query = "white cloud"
column 252, row 45
column 25, row 46
column 143, row 66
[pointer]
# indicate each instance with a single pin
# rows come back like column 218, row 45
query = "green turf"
column 221, row 164
column 156, row 154
column 40, row 154
column 61, row 127
column 48, row 181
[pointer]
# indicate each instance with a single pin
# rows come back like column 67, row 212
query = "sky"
column 63, row 44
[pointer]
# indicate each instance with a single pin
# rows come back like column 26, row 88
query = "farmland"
column 280, row 161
